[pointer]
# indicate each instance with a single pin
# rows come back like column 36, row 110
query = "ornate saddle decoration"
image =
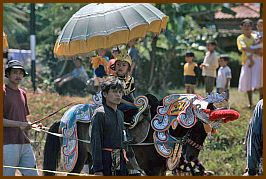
column 177, row 109
column 140, row 133
column 185, row 110
column 68, row 126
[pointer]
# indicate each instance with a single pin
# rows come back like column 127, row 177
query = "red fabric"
column 227, row 115
column 15, row 108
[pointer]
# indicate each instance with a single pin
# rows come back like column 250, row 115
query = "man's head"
column 112, row 90
column 223, row 60
column 15, row 71
column 14, row 64
column 101, row 52
column 78, row 62
column 131, row 43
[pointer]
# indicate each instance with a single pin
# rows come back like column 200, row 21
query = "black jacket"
column 107, row 132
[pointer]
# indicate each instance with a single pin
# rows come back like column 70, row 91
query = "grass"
column 224, row 154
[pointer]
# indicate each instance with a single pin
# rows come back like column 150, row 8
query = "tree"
column 16, row 19
column 167, row 50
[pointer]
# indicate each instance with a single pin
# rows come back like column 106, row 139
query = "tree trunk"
column 153, row 58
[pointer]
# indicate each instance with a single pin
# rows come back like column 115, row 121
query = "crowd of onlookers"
column 251, row 77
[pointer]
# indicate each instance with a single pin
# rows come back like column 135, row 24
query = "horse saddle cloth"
column 68, row 126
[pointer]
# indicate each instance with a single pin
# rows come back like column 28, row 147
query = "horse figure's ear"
column 211, row 106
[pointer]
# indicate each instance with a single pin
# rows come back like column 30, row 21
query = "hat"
column 247, row 21
column 213, row 42
column 189, row 54
column 14, row 64
column 78, row 58
column 225, row 57
column 115, row 49
column 124, row 56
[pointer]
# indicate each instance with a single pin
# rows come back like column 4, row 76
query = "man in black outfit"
column 109, row 156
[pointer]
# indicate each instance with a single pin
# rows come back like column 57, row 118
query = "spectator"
column 100, row 65
column 134, row 55
column 190, row 73
column 255, row 142
column 17, row 149
column 115, row 52
column 258, row 56
column 209, row 66
column 224, row 76
column 248, row 80
column 74, row 81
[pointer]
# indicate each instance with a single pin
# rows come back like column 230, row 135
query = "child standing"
column 224, row 76
column 190, row 73
column 209, row 66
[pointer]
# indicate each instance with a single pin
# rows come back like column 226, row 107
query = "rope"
column 182, row 140
column 38, row 121
column 61, row 135
column 51, row 171
column 178, row 141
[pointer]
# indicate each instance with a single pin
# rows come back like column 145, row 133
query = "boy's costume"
column 129, row 110
column 107, row 142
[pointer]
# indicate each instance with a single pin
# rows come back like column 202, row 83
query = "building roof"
column 246, row 10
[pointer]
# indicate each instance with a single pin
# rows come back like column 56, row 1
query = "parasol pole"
column 32, row 44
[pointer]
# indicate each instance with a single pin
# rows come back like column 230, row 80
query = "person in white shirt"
column 224, row 76
column 209, row 66
column 257, row 47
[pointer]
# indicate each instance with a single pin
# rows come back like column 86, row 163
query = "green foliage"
column 16, row 19
column 161, row 61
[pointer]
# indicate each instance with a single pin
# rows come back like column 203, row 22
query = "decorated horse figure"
column 157, row 148
column 180, row 125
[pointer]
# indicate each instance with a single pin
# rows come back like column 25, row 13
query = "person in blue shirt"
column 74, row 81
column 254, row 142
